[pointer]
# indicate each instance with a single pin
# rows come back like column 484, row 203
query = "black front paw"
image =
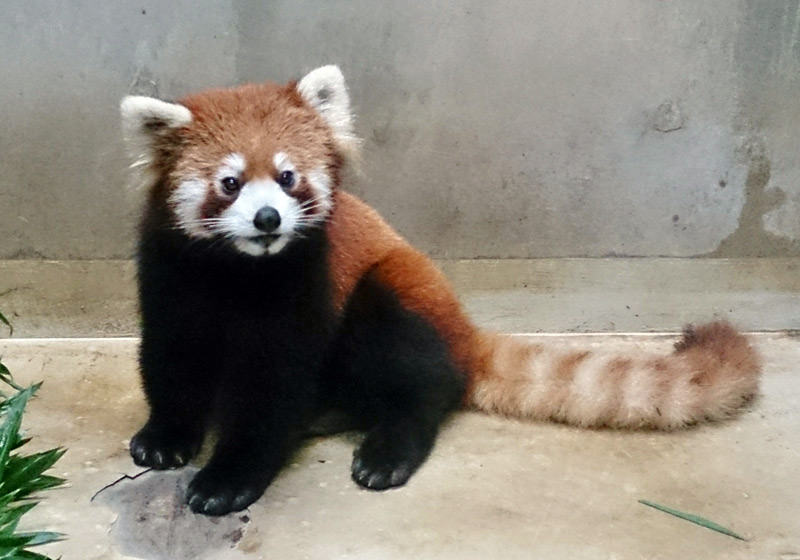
column 215, row 492
column 161, row 448
column 387, row 459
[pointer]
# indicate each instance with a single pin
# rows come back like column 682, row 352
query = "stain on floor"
column 154, row 523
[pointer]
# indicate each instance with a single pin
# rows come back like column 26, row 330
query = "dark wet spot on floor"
column 153, row 522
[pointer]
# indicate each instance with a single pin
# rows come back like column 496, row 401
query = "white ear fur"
column 144, row 120
column 325, row 91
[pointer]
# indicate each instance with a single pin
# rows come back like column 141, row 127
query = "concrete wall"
column 515, row 128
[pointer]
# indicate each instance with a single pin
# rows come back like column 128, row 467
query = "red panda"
column 269, row 297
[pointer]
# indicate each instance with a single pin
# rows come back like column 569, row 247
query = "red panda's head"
column 254, row 164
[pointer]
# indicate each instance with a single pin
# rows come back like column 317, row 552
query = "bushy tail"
column 710, row 375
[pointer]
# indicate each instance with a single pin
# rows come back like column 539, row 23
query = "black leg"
column 393, row 451
column 394, row 371
column 263, row 413
column 176, row 377
column 240, row 337
column 179, row 360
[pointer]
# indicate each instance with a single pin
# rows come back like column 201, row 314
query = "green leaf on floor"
column 702, row 521
column 42, row 537
column 5, row 377
column 7, row 323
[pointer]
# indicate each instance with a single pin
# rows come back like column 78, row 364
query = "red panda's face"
column 254, row 165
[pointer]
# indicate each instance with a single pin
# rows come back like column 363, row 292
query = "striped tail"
column 711, row 374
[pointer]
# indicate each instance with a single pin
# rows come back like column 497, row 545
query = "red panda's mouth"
column 265, row 238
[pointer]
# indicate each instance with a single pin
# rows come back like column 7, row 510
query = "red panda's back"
column 359, row 239
column 362, row 242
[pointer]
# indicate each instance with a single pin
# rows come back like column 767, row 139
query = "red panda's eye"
column 230, row 185
column 286, row 179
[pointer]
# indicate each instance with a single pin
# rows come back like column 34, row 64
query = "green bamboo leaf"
column 10, row 553
column 21, row 476
column 17, row 540
column 11, row 517
column 4, row 501
column 7, row 323
column 25, row 471
column 9, row 430
column 44, row 482
column 5, row 377
column 39, row 538
column 19, row 443
column 696, row 519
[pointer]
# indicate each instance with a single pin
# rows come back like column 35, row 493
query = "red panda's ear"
column 325, row 91
column 146, row 122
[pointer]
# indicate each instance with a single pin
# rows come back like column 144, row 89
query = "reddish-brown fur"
column 358, row 240
column 254, row 120
column 618, row 371
column 361, row 241
column 713, row 370
column 564, row 373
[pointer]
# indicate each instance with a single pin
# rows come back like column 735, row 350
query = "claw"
column 400, row 475
column 161, row 448
column 158, row 459
column 220, row 494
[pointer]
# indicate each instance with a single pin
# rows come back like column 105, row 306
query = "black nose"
column 267, row 219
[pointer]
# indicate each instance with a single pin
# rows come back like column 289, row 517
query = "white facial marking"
column 278, row 245
column 236, row 221
column 238, row 217
column 187, row 203
column 321, row 203
column 282, row 162
column 252, row 248
column 188, row 198
column 320, row 184
column 232, row 166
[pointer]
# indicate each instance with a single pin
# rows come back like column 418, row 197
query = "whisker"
column 313, row 199
column 305, row 211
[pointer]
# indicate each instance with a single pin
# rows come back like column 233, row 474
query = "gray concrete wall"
column 515, row 128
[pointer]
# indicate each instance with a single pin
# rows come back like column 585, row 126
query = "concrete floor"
column 493, row 488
